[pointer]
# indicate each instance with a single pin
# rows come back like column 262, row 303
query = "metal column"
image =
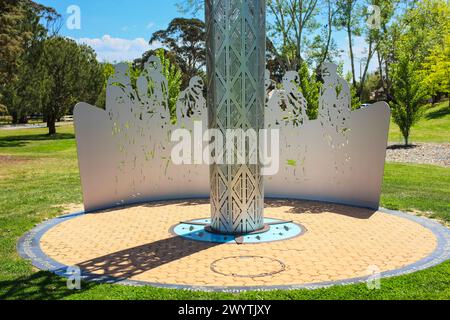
column 236, row 47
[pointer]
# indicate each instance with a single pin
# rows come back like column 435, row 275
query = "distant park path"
column 22, row 126
column 30, row 126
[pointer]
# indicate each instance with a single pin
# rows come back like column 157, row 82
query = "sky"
column 119, row 30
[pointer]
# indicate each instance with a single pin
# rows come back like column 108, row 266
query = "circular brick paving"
column 135, row 245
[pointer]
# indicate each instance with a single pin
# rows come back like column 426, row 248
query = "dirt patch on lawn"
column 12, row 160
column 71, row 207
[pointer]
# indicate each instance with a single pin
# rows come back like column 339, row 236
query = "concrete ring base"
column 134, row 246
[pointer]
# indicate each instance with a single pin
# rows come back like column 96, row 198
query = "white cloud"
column 150, row 25
column 110, row 49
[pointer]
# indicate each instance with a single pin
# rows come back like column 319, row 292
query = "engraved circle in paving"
column 248, row 266
column 135, row 245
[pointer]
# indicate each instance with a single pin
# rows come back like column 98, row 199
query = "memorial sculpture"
column 125, row 151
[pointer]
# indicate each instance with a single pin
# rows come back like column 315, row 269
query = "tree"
column 19, row 24
column 355, row 103
column 422, row 27
column 169, row 69
column 310, row 88
column 69, row 73
column 185, row 39
column 436, row 70
column 91, row 76
column 192, row 6
column 323, row 47
column 21, row 33
column 375, row 34
column 3, row 109
column 349, row 19
column 174, row 79
column 409, row 95
column 292, row 20
column 381, row 41
column 372, row 83
column 108, row 71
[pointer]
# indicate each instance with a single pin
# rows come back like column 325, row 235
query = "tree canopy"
column 185, row 40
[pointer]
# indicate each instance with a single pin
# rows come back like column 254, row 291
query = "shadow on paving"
column 316, row 207
column 131, row 262
column 114, row 267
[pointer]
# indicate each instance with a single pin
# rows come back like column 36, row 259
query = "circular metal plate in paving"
column 277, row 230
column 137, row 246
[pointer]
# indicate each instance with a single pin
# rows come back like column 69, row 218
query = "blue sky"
column 119, row 30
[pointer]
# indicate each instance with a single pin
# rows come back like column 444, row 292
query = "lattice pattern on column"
column 236, row 67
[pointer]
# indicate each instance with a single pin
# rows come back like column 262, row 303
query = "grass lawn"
column 434, row 126
column 38, row 173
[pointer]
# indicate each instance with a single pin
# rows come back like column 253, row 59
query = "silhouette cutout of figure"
column 334, row 106
column 160, row 85
column 296, row 104
column 289, row 104
column 273, row 101
column 191, row 103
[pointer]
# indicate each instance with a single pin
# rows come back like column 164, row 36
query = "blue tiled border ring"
column 29, row 248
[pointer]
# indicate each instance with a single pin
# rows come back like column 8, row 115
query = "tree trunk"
column 352, row 59
column 380, row 66
column 15, row 117
column 366, row 69
column 51, row 124
column 329, row 35
column 23, row 119
column 388, row 94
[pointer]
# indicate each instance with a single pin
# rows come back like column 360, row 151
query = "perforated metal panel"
column 236, row 66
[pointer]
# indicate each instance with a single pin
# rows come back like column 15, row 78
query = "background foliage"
column 409, row 44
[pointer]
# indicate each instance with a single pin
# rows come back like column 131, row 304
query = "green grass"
column 422, row 188
column 42, row 174
column 433, row 127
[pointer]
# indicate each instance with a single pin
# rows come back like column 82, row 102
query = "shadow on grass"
column 22, row 140
column 438, row 113
column 401, row 146
column 38, row 286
